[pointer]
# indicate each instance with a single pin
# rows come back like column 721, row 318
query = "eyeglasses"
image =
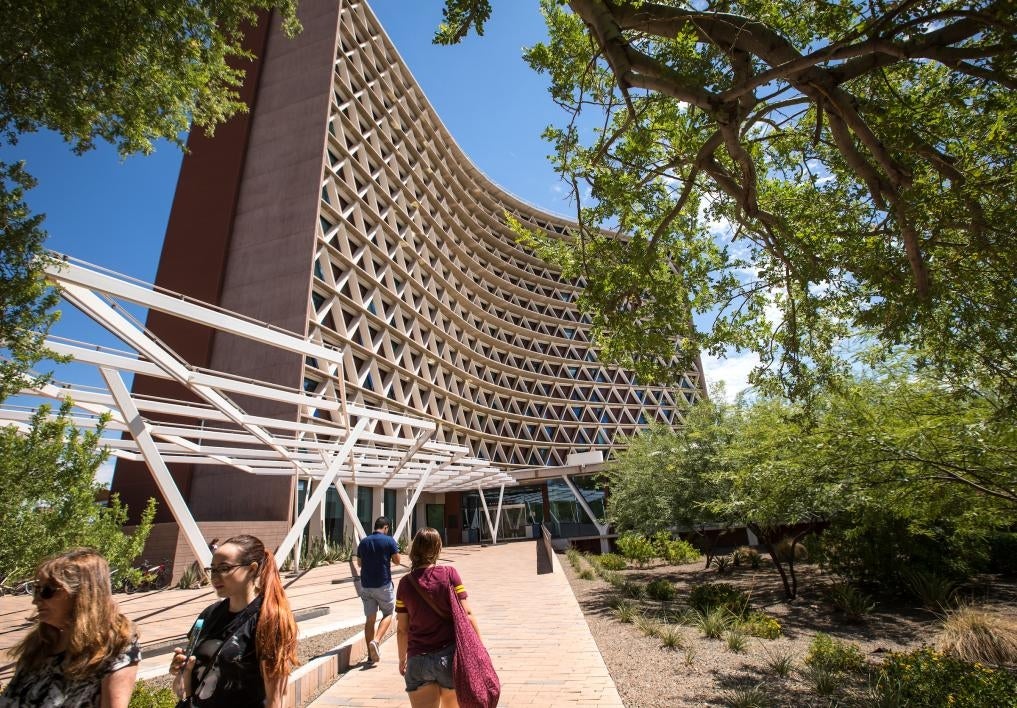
column 44, row 592
column 222, row 568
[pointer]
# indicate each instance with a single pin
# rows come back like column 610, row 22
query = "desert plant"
column 780, row 664
column 661, row 589
column 610, row 561
column 625, row 613
column 926, row 678
column 736, row 641
column 630, row 588
column 586, row 574
column 747, row 555
column 834, row 655
column 575, row 558
column 707, row 596
column 192, row 577
column 759, row 624
column 647, row 625
column 671, row 637
column 783, row 550
column 636, row 547
column 851, row 602
column 615, row 580
column 974, row 635
column 754, row 697
column 714, row 623
column 935, row 592
column 823, row 681
column 689, row 657
column 722, row 564
column 674, row 550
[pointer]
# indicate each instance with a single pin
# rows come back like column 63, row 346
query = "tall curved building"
column 341, row 207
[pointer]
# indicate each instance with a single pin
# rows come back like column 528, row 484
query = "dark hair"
column 381, row 522
column 276, row 634
column 426, row 548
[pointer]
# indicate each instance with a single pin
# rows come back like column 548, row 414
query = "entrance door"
column 435, row 515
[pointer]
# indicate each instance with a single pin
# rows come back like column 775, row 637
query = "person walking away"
column 375, row 554
column 246, row 644
column 426, row 639
column 82, row 652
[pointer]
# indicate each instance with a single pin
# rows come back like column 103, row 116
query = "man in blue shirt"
column 374, row 556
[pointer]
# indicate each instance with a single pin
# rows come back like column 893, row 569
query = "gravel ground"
column 704, row 672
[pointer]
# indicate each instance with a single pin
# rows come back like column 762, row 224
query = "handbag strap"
column 427, row 597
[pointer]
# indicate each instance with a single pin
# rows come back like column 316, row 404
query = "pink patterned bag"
column 477, row 684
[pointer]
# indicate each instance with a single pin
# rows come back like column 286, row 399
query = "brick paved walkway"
column 532, row 625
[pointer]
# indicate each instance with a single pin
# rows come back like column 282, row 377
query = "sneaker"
column 373, row 652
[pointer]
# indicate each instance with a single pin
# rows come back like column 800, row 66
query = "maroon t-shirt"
column 428, row 631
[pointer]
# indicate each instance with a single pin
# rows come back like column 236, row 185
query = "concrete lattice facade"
column 341, row 208
column 441, row 311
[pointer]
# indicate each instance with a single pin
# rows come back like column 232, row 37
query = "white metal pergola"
column 345, row 448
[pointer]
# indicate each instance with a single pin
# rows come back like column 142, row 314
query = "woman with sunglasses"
column 246, row 644
column 82, row 652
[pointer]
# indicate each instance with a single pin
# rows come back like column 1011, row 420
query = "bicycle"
column 153, row 576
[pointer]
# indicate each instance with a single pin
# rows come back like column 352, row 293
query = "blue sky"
column 113, row 213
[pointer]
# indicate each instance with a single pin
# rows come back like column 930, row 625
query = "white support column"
column 403, row 503
column 319, row 494
column 351, row 511
column 416, row 495
column 487, row 514
column 163, row 479
column 601, row 528
column 497, row 514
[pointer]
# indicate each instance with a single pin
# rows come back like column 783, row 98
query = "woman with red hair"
column 246, row 645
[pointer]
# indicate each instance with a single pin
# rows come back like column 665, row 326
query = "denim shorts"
column 434, row 667
column 382, row 598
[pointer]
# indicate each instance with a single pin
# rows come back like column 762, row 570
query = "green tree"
column 848, row 166
column 666, row 479
column 125, row 73
column 48, row 499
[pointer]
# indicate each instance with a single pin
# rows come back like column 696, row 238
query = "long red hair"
column 277, row 630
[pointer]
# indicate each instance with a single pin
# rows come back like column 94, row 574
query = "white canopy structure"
column 210, row 428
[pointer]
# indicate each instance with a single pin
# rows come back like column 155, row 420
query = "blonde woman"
column 426, row 639
column 82, row 652
column 247, row 644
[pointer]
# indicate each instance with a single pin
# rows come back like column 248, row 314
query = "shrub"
column 674, row 551
column 630, row 588
column 575, row 558
column 610, row 561
column 974, row 635
column 783, row 550
column 925, row 677
column 781, row 664
column 625, row 613
column 759, row 624
column 736, row 641
column 192, row 577
column 753, row 697
column 612, row 578
column 707, row 596
column 747, row 555
column 834, row 655
column 646, row 625
column 722, row 563
column 586, row 574
column 689, row 657
column 851, row 602
column 636, row 547
column 935, row 592
column 661, row 589
column 145, row 697
column 823, row 681
column 671, row 637
column 712, row 624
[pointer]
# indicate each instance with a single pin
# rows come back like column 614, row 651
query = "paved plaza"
column 541, row 646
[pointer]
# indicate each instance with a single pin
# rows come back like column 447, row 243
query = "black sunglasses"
column 44, row 592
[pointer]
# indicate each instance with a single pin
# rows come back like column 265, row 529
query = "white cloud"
column 733, row 370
